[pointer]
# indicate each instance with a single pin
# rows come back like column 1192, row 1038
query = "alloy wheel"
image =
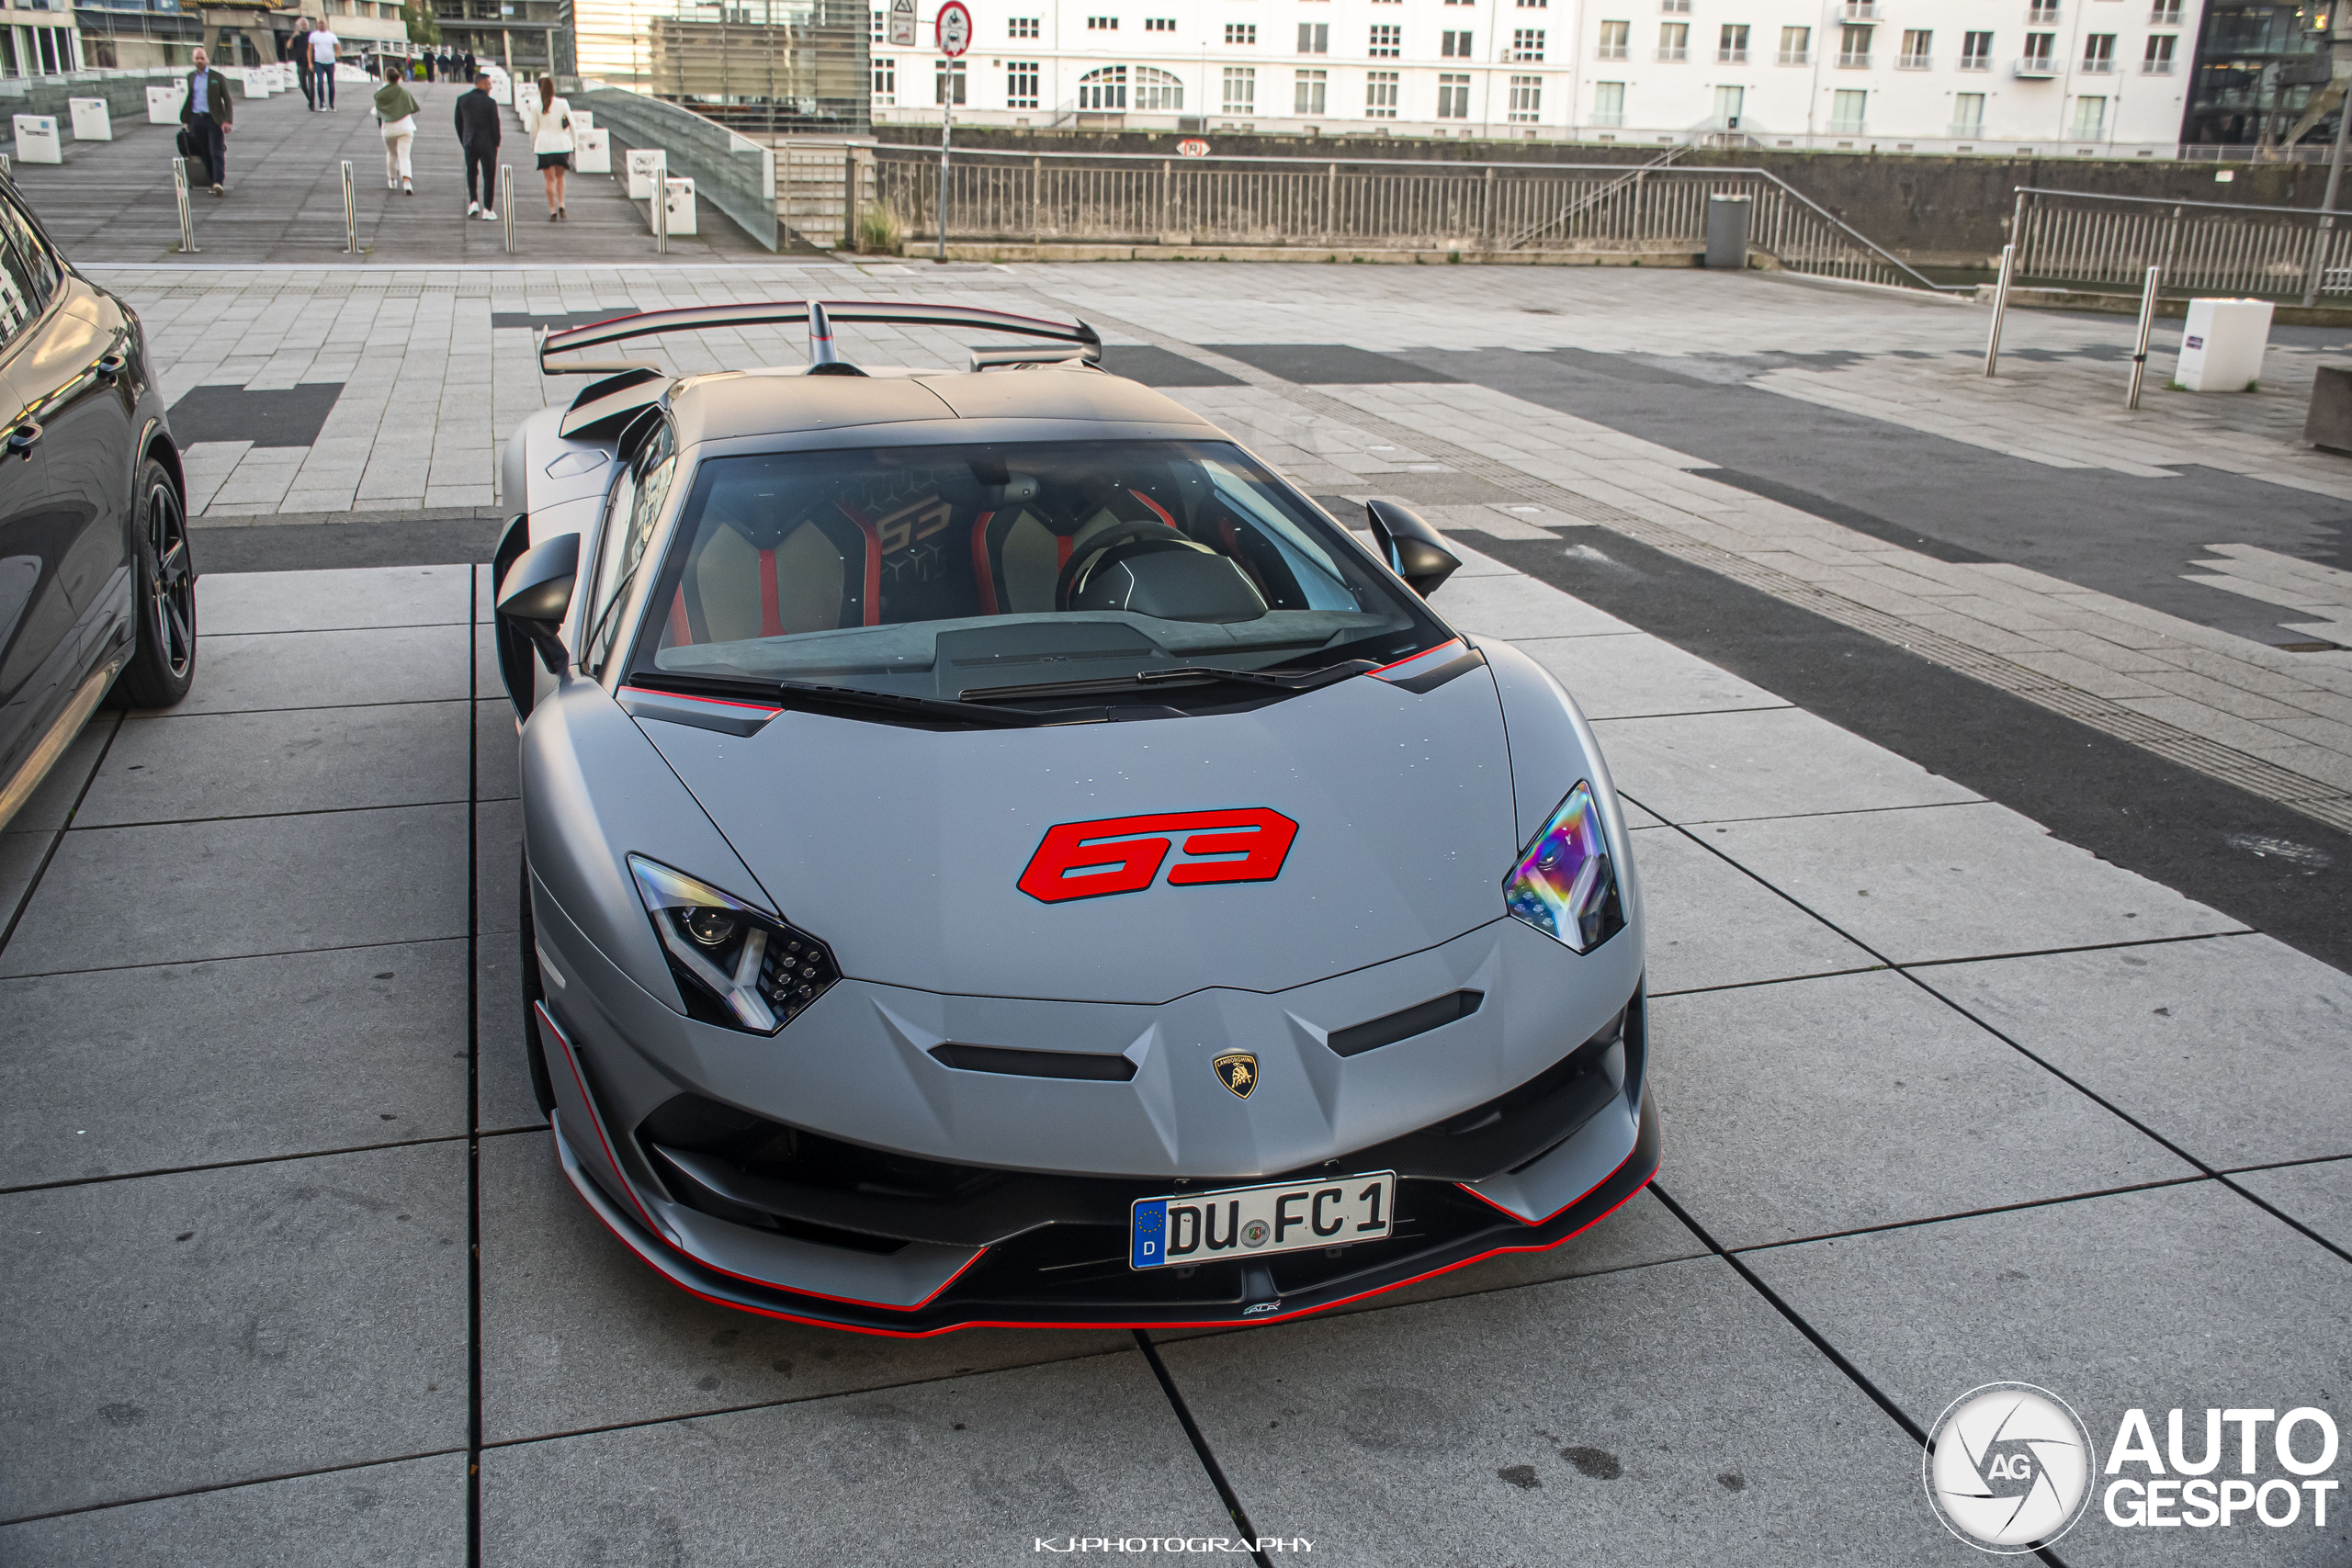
column 171, row 607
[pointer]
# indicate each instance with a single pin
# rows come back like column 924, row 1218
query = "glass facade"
column 766, row 66
column 2258, row 66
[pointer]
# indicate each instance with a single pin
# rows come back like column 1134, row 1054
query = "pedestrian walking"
column 322, row 51
column 396, row 109
column 466, row 66
column 551, row 141
column 442, row 61
column 478, row 134
column 300, row 53
column 208, row 116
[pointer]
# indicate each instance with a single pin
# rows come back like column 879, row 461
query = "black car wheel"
column 542, row 1086
column 163, row 664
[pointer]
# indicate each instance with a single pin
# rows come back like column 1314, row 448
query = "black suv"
column 97, row 587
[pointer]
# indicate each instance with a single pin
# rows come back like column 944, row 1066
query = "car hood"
column 903, row 848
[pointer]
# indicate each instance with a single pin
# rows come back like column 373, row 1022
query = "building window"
column 1103, row 89
column 1531, row 5
column 1387, row 40
column 1160, row 24
column 1102, row 24
column 1379, row 94
column 1796, row 46
column 1241, row 34
column 2038, row 47
column 1021, row 84
column 1729, row 102
column 1609, row 103
column 2043, row 13
column 1673, row 41
column 2164, row 14
column 1453, row 45
column 881, row 20
column 2090, row 118
column 1675, row 7
column 1452, row 95
column 1458, row 2
column 1846, row 108
column 1310, row 86
column 1968, row 114
column 1021, row 26
column 1916, row 43
column 2098, row 53
column 886, row 83
column 1314, row 37
column 1527, row 43
column 947, row 82
column 1159, row 92
column 1731, row 44
column 1240, row 89
column 1526, row 99
column 1854, row 47
column 1612, row 39
column 1976, row 51
column 2157, row 62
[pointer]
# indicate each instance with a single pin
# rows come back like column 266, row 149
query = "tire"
column 163, row 660
column 534, row 991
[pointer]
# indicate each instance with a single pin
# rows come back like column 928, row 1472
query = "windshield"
column 963, row 574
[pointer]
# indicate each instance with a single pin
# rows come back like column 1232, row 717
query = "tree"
column 422, row 26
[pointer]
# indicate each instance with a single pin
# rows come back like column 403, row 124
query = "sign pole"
column 955, row 36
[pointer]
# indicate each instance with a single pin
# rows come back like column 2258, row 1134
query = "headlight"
column 1564, row 885
column 735, row 966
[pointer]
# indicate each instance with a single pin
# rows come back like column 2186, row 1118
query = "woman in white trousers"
column 396, row 109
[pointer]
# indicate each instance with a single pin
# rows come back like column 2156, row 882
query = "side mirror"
column 536, row 593
column 1414, row 550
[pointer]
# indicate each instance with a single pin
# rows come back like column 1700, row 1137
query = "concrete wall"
column 1929, row 211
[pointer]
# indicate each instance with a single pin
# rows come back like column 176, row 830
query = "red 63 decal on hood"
column 1123, row 854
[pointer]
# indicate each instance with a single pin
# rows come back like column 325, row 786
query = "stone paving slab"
column 1712, row 924
column 339, row 669
column 1729, row 767
column 306, row 759
column 2318, row 1195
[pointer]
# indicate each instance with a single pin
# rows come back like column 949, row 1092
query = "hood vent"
column 1415, row 1019
column 1034, row 1064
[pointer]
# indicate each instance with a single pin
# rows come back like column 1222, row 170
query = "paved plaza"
column 1989, row 756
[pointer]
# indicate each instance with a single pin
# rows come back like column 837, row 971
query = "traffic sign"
column 902, row 24
column 1192, row 147
column 955, row 30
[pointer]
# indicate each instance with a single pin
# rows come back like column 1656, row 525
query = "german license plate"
column 1253, row 1222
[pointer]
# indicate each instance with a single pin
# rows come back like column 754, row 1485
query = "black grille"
column 1035, row 1064
column 1416, row 1019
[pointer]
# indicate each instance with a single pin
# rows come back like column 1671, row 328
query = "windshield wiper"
column 1184, row 675
column 816, row 697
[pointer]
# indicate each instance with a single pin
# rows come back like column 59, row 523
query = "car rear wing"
column 784, row 312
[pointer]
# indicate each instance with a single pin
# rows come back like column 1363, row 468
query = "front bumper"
column 954, row 1246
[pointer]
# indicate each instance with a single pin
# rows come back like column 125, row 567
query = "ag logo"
column 1123, row 854
column 2009, row 1468
column 1237, row 1070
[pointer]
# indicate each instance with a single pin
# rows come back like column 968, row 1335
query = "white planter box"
column 592, row 152
column 90, row 120
column 163, row 104
column 36, row 140
column 643, row 163
column 680, row 207
column 2221, row 345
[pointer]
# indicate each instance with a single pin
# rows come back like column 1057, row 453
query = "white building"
column 2097, row 78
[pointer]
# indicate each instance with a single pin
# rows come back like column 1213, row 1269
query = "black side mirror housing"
column 1414, row 550
column 536, row 591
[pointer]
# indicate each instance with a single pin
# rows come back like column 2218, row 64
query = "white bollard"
column 506, row 203
column 678, row 208
column 350, row 212
column 643, row 163
column 163, row 104
column 592, row 152
column 2221, row 345
column 91, row 121
column 36, row 140
column 583, row 120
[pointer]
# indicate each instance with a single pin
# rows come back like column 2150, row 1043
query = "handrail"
column 1874, row 246
column 1597, row 198
column 2182, row 201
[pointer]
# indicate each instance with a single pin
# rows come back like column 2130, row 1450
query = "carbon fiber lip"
column 953, row 1309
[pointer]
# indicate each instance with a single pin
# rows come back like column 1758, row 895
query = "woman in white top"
column 551, row 139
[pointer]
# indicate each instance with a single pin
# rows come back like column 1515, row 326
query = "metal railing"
column 1365, row 204
column 2202, row 247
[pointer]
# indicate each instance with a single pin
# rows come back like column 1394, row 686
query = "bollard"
column 7, row 165
column 506, row 203
column 2147, row 324
column 2000, row 309
column 188, row 218
column 661, row 208
column 350, row 212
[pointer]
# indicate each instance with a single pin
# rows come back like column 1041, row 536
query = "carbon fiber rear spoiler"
column 782, row 312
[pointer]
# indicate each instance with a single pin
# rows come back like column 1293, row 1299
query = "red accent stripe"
column 1425, row 653
column 1154, row 506
column 980, row 572
column 1062, row 543
column 546, row 1021
column 1015, row 1323
column 682, row 697
column 681, row 631
column 771, row 614
column 873, row 562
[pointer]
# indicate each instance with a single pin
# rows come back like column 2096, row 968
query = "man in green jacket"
column 209, row 115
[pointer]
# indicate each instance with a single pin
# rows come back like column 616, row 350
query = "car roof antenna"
column 822, row 359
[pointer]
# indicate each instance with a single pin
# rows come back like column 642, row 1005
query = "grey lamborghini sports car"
column 996, row 854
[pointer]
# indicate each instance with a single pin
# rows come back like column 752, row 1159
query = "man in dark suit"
column 478, row 134
column 208, row 116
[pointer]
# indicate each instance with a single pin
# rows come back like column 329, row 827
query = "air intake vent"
column 1034, row 1064
column 1418, row 1020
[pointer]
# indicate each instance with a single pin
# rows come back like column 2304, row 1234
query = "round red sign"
column 1192, row 147
column 955, row 30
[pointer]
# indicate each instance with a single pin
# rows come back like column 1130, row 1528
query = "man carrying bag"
column 208, row 114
